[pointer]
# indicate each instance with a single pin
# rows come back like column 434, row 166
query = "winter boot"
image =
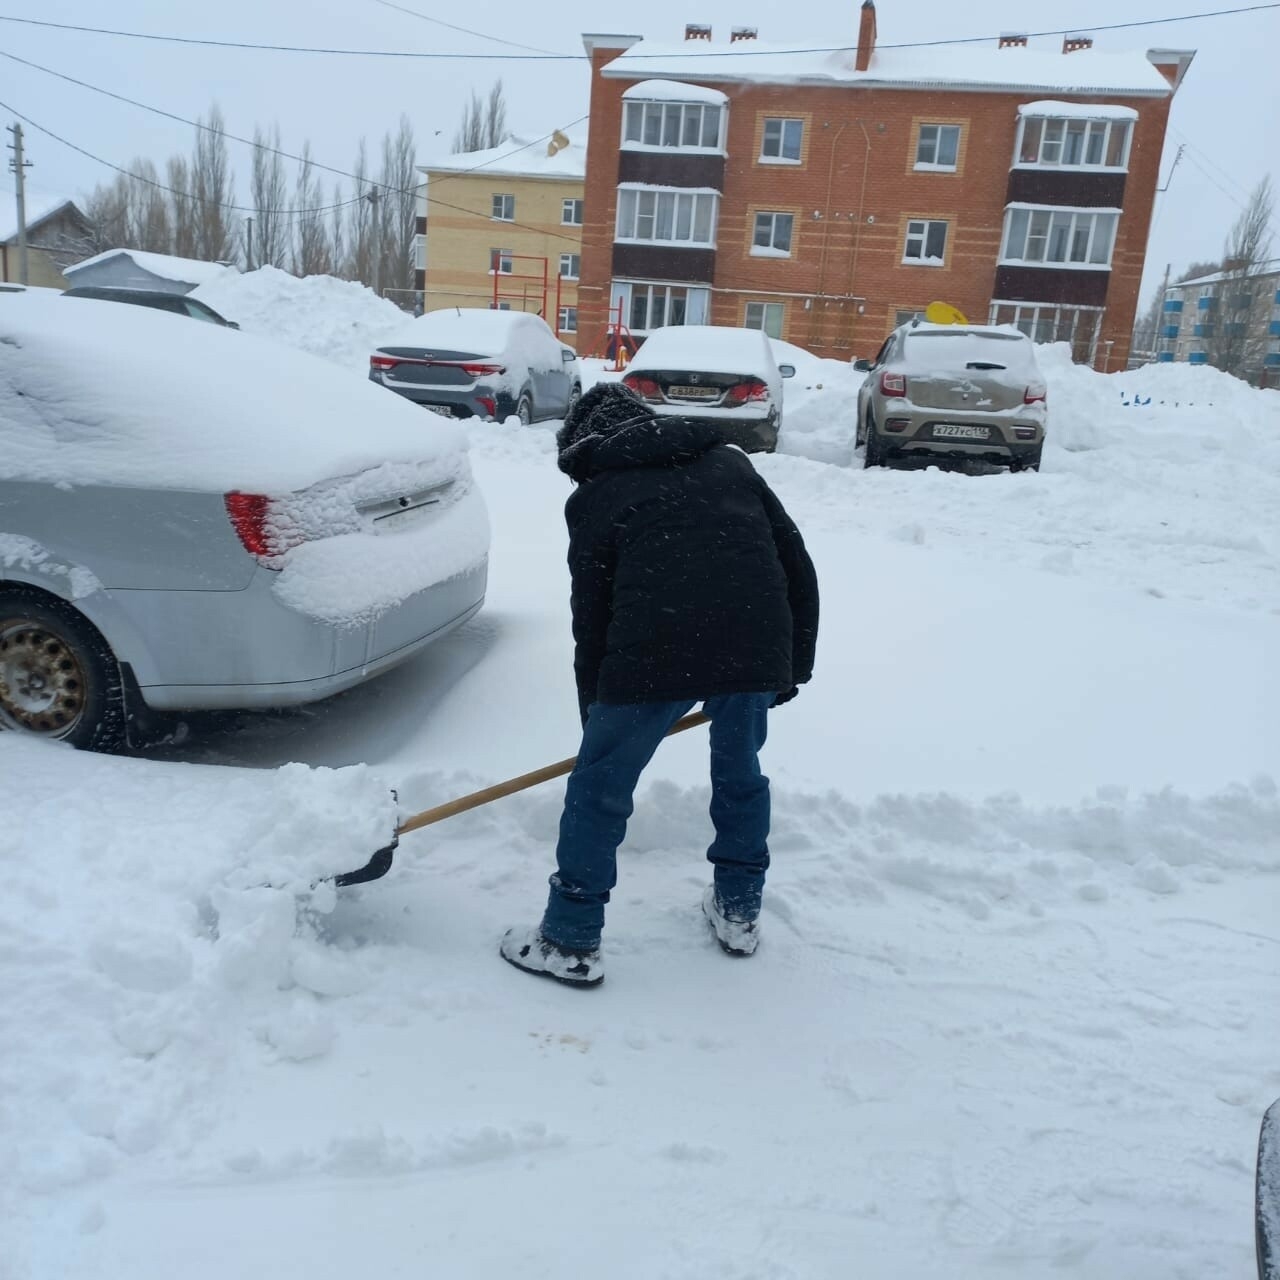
column 527, row 949
column 736, row 937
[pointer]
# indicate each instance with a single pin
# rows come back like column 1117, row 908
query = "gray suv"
column 953, row 390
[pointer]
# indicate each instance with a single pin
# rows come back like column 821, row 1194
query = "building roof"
column 183, row 270
column 1012, row 70
column 1269, row 268
column 40, row 208
column 518, row 157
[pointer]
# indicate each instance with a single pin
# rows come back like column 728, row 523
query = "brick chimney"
column 1073, row 44
column 742, row 33
column 1013, row 40
column 697, row 31
column 866, row 34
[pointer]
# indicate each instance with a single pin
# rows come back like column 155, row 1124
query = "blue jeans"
column 617, row 743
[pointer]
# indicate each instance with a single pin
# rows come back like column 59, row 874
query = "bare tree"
column 108, row 210
column 1199, row 269
column 149, row 213
column 398, row 210
column 213, row 189
column 484, row 122
column 1238, row 339
column 182, row 207
column 272, row 228
column 311, row 256
column 361, row 233
column 338, row 236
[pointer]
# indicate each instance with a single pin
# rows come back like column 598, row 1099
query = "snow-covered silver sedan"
column 194, row 518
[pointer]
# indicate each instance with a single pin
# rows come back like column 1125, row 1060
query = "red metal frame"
column 617, row 344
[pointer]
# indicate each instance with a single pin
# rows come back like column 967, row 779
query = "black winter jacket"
column 689, row 578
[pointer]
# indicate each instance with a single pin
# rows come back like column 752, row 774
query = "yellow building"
column 504, row 228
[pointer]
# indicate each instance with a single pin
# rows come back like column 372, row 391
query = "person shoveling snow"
column 690, row 584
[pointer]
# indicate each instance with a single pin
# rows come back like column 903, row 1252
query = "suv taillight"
column 260, row 534
column 750, row 389
column 645, row 388
column 893, row 384
column 1036, row 393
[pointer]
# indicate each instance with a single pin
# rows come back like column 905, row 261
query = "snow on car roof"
column 465, row 329
column 95, row 392
column 707, row 348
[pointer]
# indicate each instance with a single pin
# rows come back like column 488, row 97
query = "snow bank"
column 94, row 392
column 339, row 320
column 819, row 405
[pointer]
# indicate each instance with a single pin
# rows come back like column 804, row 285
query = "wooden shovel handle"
column 522, row 783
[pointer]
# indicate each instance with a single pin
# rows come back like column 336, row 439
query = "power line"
column 480, row 35
column 631, row 57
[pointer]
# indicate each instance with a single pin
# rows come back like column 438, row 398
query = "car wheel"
column 574, row 396
column 59, row 679
column 873, row 453
column 524, row 411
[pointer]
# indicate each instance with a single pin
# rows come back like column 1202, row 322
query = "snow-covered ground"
column 1014, row 1010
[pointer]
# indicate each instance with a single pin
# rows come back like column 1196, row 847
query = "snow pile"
column 94, row 392
column 820, row 405
column 339, row 320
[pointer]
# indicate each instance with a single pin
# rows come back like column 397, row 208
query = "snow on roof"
column 39, row 207
column 518, row 157
column 1011, row 70
column 182, row 270
column 1077, row 110
column 95, row 392
column 1269, row 268
column 674, row 91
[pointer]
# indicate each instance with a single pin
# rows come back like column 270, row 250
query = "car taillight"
column 893, row 384
column 745, row 392
column 484, row 370
column 645, row 388
column 1036, row 393
column 383, row 363
column 260, row 534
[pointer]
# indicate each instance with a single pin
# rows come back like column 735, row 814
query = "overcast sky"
column 1227, row 113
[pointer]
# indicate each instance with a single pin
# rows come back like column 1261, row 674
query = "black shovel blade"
column 376, row 867
column 1267, row 1195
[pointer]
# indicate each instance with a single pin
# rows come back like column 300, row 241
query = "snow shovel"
column 1267, row 1194
column 380, row 863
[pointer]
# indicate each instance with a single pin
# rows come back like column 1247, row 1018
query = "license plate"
column 694, row 393
column 443, row 410
column 954, row 431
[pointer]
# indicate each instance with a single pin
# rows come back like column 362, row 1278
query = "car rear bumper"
column 755, row 435
column 461, row 403
column 243, row 668
column 1006, row 440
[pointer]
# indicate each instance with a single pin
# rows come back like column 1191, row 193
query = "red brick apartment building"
column 827, row 196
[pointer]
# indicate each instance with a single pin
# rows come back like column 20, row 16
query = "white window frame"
column 671, row 123
column 772, row 249
column 569, row 259
column 502, row 262
column 699, row 306
column 500, row 306
column 779, row 158
column 921, row 236
column 568, row 207
column 1054, row 133
column 567, row 320
column 764, row 311
column 1026, row 224
column 644, row 209
column 935, row 165
column 508, row 202
column 1029, row 316
column 420, row 252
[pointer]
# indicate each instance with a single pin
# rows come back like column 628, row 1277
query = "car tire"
column 59, row 679
column 574, row 396
column 524, row 410
column 873, row 454
column 1030, row 461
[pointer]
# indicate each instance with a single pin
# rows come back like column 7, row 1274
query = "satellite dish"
column 944, row 313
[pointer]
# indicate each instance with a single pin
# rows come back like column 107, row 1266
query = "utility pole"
column 376, row 237
column 248, row 244
column 20, row 167
column 1163, row 321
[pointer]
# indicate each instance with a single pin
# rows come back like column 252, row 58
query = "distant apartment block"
column 827, row 196
column 1226, row 313
column 503, row 228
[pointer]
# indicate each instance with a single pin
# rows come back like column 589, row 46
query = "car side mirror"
column 787, row 370
column 862, row 366
column 567, row 356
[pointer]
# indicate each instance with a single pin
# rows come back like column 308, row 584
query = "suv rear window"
column 963, row 349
